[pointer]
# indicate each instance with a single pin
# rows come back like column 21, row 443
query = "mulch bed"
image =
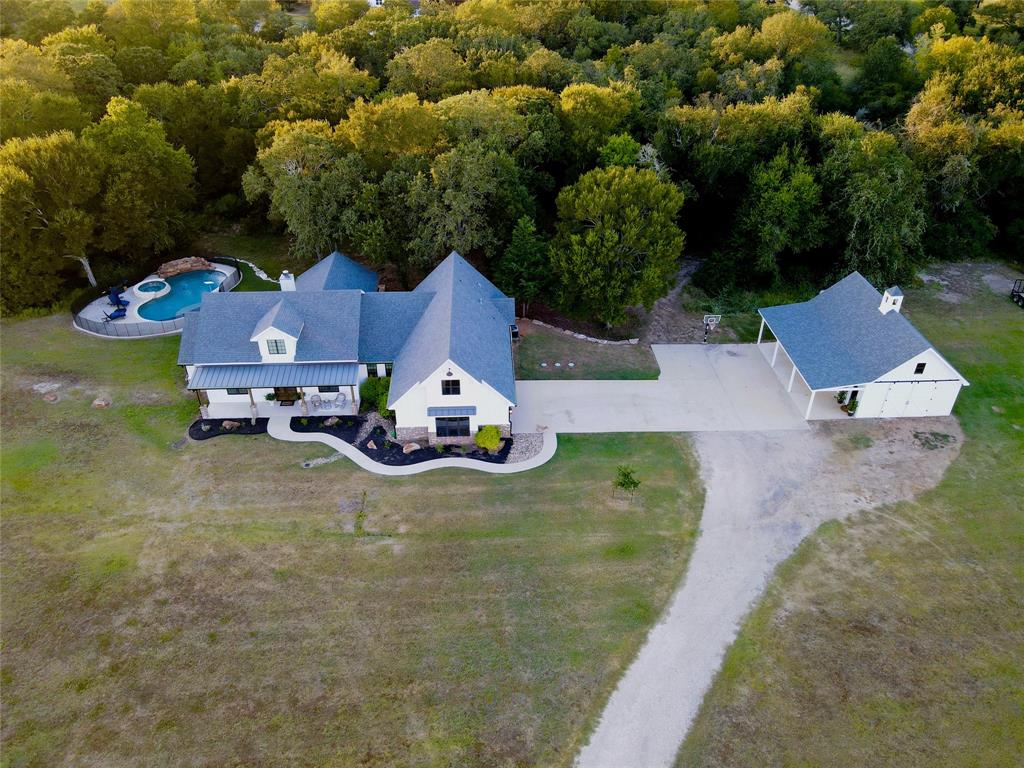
column 389, row 452
column 346, row 428
column 215, row 428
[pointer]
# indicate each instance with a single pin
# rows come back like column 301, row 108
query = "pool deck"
column 96, row 309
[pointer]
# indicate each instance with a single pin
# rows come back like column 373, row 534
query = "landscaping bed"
column 204, row 429
column 343, row 427
column 387, row 451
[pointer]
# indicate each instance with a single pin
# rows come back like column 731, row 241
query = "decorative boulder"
column 371, row 445
column 51, row 397
column 180, row 266
column 332, row 421
column 229, row 425
column 101, row 402
column 410, row 447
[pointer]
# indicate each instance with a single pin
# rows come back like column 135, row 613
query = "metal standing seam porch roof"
column 275, row 375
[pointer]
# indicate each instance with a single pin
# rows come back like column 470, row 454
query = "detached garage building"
column 851, row 349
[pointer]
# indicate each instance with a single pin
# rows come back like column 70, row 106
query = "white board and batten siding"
column 901, row 392
column 491, row 406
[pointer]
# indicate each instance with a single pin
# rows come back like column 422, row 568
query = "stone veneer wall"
column 412, row 435
column 422, row 435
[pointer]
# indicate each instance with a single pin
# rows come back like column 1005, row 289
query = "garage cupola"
column 892, row 300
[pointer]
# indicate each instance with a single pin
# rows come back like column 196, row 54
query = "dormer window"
column 276, row 347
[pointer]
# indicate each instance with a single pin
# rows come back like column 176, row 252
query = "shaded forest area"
column 573, row 149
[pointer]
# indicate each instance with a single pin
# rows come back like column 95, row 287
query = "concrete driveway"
column 702, row 388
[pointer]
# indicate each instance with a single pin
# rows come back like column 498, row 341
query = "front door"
column 286, row 395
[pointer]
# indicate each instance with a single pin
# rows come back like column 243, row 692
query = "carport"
column 853, row 341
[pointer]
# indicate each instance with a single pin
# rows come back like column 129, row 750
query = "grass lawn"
column 216, row 604
column 538, row 344
column 897, row 638
column 739, row 308
column 268, row 251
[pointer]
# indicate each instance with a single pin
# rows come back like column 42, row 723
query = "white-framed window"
column 328, row 389
column 451, row 387
column 276, row 346
column 237, row 391
column 919, row 369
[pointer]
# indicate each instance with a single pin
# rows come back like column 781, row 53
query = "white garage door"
column 919, row 398
column 920, row 403
column 896, row 399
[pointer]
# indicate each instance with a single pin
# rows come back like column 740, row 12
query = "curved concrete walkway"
column 280, row 428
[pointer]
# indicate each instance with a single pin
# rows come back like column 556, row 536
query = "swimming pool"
column 186, row 293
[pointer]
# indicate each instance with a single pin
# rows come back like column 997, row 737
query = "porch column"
column 775, row 353
column 352, row 391
column 302, row 399
column 807, row 415
column 760, row 333
column 253, row 410
column 792, row 375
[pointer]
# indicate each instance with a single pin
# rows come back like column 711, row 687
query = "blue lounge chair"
column 117, row 314
column 115, row 298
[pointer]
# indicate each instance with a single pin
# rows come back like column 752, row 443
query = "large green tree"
column 617, row 242
column 781, row 217
column 469, row 202
column 877, row 200
column 146, row 187
column 48, row 186
column 524, row 271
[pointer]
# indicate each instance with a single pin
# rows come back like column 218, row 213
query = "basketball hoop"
column 710, row 323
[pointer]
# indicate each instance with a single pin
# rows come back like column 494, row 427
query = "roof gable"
column 337, row 272
column 281, row 317
column 467, row 321
column 839, row 338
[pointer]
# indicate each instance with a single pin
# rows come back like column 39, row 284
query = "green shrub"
column 383, row 390
column 488, row 438
column 368, row 394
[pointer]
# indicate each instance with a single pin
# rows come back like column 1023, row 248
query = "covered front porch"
column 258, row 391
column 255, row 405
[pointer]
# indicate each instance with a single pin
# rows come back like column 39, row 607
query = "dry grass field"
column 183, row 604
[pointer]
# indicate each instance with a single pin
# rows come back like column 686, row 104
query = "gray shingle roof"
column 337, row 272
column 454, row 314
column 275, row 375
column 385, row 322
column 225, row 322
column 282, row 317
column 467, row 322
column 839, row 338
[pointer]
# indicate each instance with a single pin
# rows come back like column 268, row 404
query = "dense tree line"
column 566, row 146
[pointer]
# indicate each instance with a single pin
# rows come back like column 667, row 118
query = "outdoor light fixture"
column 449, row 372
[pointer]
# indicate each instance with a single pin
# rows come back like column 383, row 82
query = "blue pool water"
column 186, row 292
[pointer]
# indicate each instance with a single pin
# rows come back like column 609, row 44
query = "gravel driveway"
column 765, row 492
